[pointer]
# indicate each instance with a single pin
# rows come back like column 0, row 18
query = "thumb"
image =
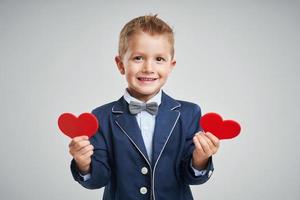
column 85, row 137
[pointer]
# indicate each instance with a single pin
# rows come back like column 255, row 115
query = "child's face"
column 146, row 64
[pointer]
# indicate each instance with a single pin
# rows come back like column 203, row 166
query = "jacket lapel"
column 129, row 126
column 166, row 120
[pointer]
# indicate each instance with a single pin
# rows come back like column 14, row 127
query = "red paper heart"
column 72, row 126
column 222, row 129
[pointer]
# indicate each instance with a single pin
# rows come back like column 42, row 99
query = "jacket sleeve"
column 188, row 174
column 100, row 169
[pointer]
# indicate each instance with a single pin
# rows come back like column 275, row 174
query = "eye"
column 160, row 59
column 138, row 58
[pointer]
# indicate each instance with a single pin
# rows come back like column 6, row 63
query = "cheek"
column 130, row 74
column 164, row 73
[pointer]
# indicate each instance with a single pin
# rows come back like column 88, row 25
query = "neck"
column 141, row 97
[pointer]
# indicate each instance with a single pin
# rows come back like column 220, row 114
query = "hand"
column 81, row 150
column 206, row 144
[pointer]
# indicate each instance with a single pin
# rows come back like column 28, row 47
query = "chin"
column 150, row 91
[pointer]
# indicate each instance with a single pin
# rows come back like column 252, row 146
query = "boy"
column 148, row 145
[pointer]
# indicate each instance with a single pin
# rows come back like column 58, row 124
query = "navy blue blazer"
column 120, row 162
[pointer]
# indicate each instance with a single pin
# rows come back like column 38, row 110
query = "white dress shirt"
column 145, row 120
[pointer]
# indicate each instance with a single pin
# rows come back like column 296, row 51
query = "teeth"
column 147, row 79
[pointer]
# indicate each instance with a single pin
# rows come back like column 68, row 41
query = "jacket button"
column 144, row 170
column 143, row 190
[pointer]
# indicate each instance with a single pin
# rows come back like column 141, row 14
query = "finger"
column 197, row 144
column 205, row 146
column 85, row 157
column 209, row 142
column 212, row 146
column 88, row 154
column 213, row 138
column 81, row 144
column 199, row 132
column 77, row 139
column 86, row 149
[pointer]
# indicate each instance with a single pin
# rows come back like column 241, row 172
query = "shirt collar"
column 156, row 98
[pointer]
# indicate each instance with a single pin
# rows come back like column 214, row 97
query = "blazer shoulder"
column 189, row 106
column 183, row 106
column 106, row 108
column 189, row 109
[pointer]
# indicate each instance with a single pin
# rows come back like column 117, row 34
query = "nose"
column 147, row 67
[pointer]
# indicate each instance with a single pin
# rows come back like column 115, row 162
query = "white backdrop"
column 237, row 58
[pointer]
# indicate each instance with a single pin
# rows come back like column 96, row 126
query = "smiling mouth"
column 146, row 79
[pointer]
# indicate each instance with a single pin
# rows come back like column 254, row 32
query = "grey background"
column 237, row 58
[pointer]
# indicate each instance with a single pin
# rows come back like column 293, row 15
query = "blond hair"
column 149, row 24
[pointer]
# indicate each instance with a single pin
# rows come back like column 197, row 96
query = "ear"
column 173, row 64
column 120, row 64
